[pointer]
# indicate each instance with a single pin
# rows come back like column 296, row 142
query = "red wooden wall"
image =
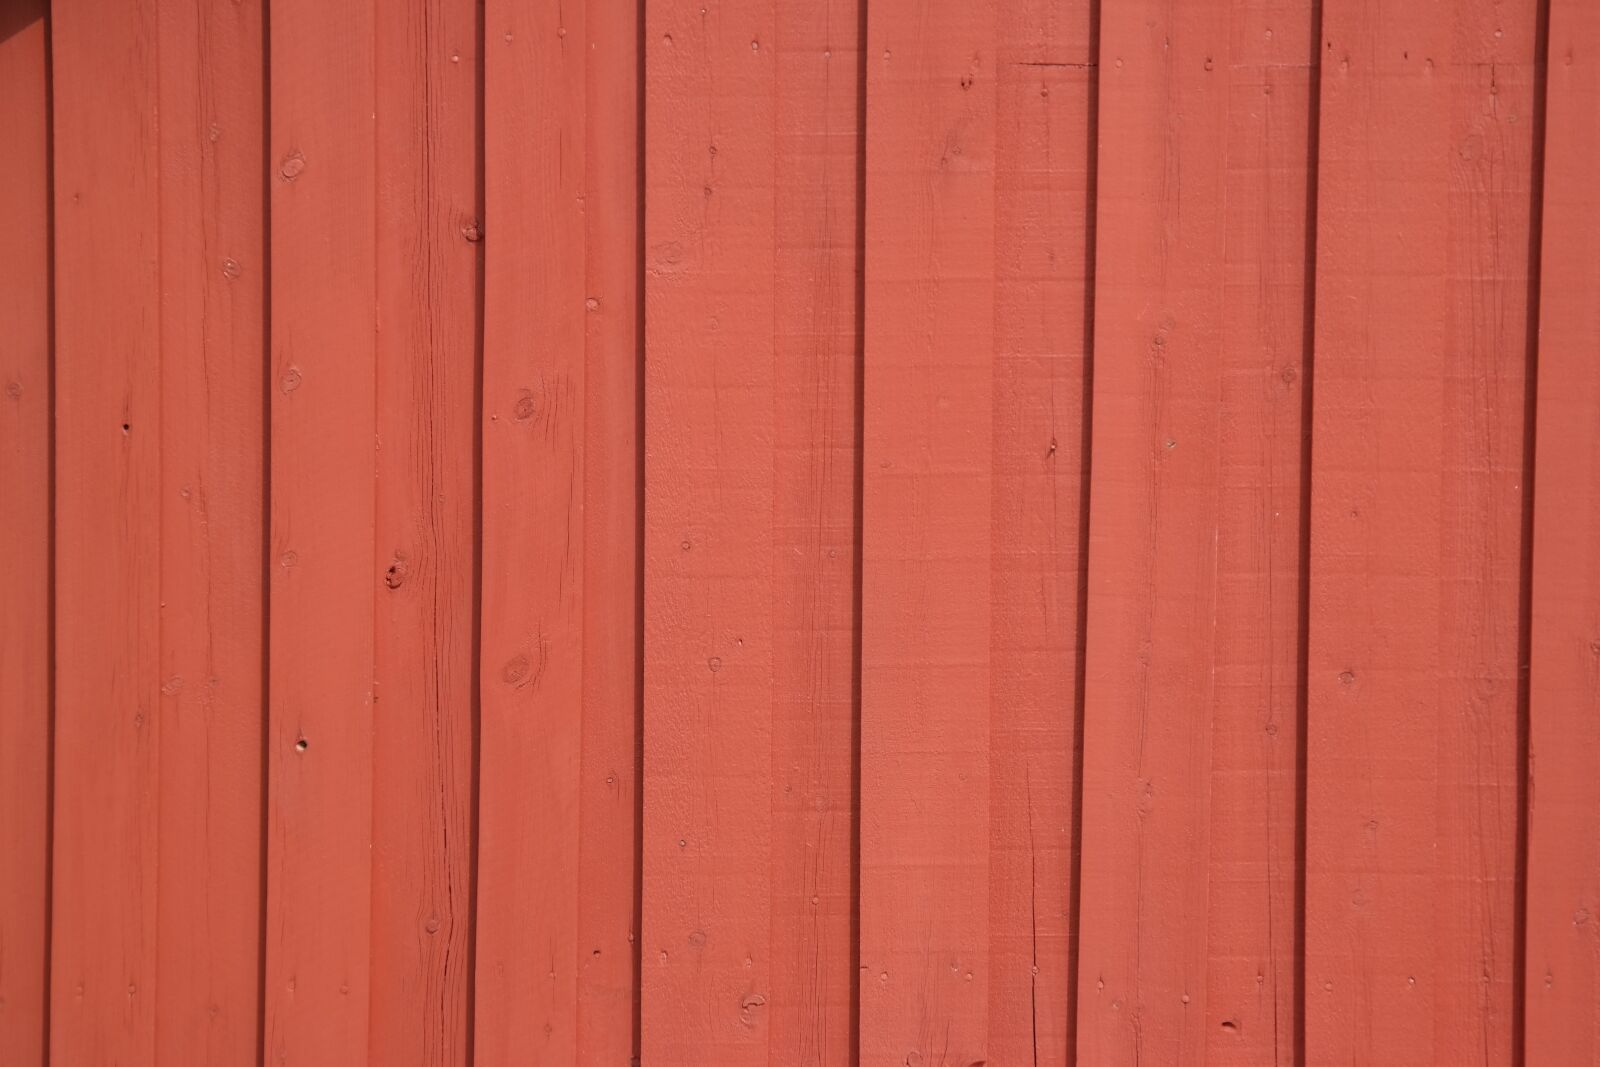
column 898, row 532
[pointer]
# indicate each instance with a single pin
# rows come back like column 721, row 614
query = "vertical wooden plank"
column 609, row 791
column 108, row 564
column 926, row 539
column 1417, row 512
column 816, row 348
column 428, row 257
column 1376, row 518
column 212, row 498
column 1155, row 522
column 323, row 570
column 25, row 533
column 532, row 659
column 1253, row 923
column 1563, row 890
column 1484, row 485
column 1043, row 217
column 710, row 390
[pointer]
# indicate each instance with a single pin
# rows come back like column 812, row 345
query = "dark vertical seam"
column 475, row 696
column 264, row 853
column 1307, row 412
column 50, row 532
column 1519, row 936
column 158, row 431
column 638, row 563
column 858, row 523
column 1085, row 484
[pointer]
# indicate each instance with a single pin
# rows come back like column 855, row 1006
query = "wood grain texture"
column 428, row 234
column 609, row 788
column 1253, row 925
column 1417, row 511
column 1026, row 552
column 1563, row 817
column 816, row 367
column 108, row 520
column 25, row 477
column 710, row 388
column 1494, row 110
column 212, row 497
column 533, row 656
column 927, row 541
column 323, row 583
column 1043, row 217
column 1155, row 528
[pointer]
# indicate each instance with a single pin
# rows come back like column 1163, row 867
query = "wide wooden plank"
column 1487, row 458
column 1253, row 920
column 532, row 663
column 1419, row 470
column 816, row 353
column 1155, row 525
column 609, row 790
column 1563, row 817
column 25, row 475
column 324, row 574
column 926, row 624
column 108, row 522
column 212, row 508
column 1044, row 210
column 429, row 255
column 710, row 390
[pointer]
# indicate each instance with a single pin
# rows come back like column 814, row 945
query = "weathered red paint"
column 25, row 480
column 751, row 532
column 323, row 554
column 1562, row 976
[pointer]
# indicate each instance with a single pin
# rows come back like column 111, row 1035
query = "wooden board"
column 1417, row 513
column 1155, row 527
column 324, row 574
column 816, row 283
column 609, row 793
column 1042, row 304
column 1563, row 795
column 108, row 380
column 709, row 649
column 1253, row 927
column 1082, row 589
column 928, row 481
column 429, row 259
column 212, row 503
column 25, row 620
column 1488, row 468
column 532, row 661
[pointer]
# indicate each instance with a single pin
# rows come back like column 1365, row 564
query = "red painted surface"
column 928, row 475
column 107, row 363
column 322, row 555
column 1418, row 479
column 25, row 533
column 532, row 661
column 707, row 532
column 424, row 668
column 1562, row 975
